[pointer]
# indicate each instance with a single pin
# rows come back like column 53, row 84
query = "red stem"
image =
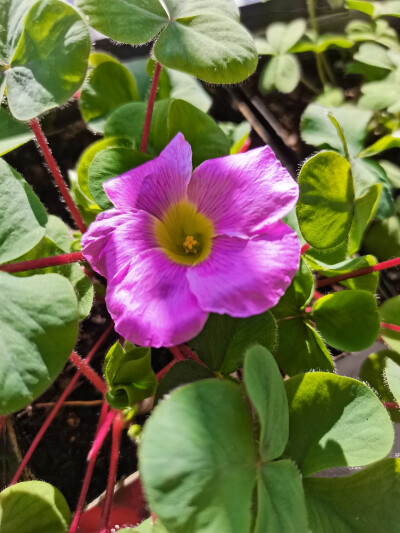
column 89, row 470
column 393, row 327
column 150, row 107
column 164, row 370
column 304, row 248
column 43, row 262
column 104, row 526
column 391, row 405
column 57, row 406
column 177, row 353
column 54, row 169
column 360, row 272
column 88, row 372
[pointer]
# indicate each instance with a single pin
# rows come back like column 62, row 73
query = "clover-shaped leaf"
column 389, row 313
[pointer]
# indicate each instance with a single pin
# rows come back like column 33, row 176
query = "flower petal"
column 151, row 303
column 244, row 277
column 155, row 185
column 115, row 238
column 241, row 193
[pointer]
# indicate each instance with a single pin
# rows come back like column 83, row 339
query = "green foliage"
column 326, row 202
column 389, row 313
column 376, row 9
column 181, row 373
column 392, row 374
column 12, row 132
column 108, row 164
column 382, row 94
column 224, row 339
column 330, row 421
column 320, row 43
column 22, row 216
column 129, row 376
column 364, row 210
column 202, row 39
column 211, row 479
column 266, row 392
column 170, row 117
column 38, row 330
column 345, row 504
column 377, row 31
column 110, row 85
column 49, row 32
column 383, row 238
column 283, row 70
column 347, row 320
column 33, row 506
column 384, row 143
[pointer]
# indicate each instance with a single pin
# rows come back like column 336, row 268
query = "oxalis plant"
column 214, row 251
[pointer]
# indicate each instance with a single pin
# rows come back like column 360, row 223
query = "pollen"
column 190, row 245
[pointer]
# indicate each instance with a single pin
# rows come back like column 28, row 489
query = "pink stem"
column 393, row 327
column 164, row 370
column 101, row 435
column 53, row 167
column 89, row 472
column 360, row 272
column 391, row 405
column 150, row 107
column 177, row 353
column 88, row 372
column 104, row 526
column 44, row 262
column 57, row 406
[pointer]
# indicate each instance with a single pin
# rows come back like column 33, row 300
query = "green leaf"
column 222, row 343
column 32, row 506
column 378, row 31
column 38, row 330
column 375, row 55
column 185, row 87
column 364, row 210
column 325, row 206
column 47, row 247
column 50, row 60
column 110, row 85
column 283, row 36
column 282, row 73
column 129, row 375
column 389, row 313
column 373, row 372
column 392, row 373
column 383, row 238
column 265, row 389
column 320, row 43
column 378, row 95
column 88, row 156
column 297, row 295
column 392, row 172
column 281, row 502
column 181, row 373
column 335, row 421
column 318, row 130
column 108, row 164
column 211, row 479
column 87, row 206
column 206, row 138
column 367, row 173
column 368, row 282
column 12, row 132
column 376, row 9
column 347, row 320
column 146, row 527
column 300, row 349
column 346, row 504
column 203, row 39
column 216, row 49
column 385, row 143
column 22, row 216
column 330, row 97
column 128, row 22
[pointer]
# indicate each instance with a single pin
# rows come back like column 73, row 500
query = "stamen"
column 191, row 245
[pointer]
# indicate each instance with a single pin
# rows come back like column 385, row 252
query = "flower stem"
column 101, row 435
column 88, row 372
column 58, row 404
column 178, row 355
column 360, row 272
column 391, row 405
column 150, row 107
column 392, row 327
column 104, row 525
column 43, row 262
column 89, row 471
column 54, row 169
column 304, row 248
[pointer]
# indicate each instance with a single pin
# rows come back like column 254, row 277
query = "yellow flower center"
column 184, row 234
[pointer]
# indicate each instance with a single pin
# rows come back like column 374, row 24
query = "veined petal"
column 157, row 184
column 244, row 277
column 115, row 238
column 151, row 303
column 242, row 193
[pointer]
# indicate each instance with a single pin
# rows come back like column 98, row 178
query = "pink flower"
column 179, row 246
